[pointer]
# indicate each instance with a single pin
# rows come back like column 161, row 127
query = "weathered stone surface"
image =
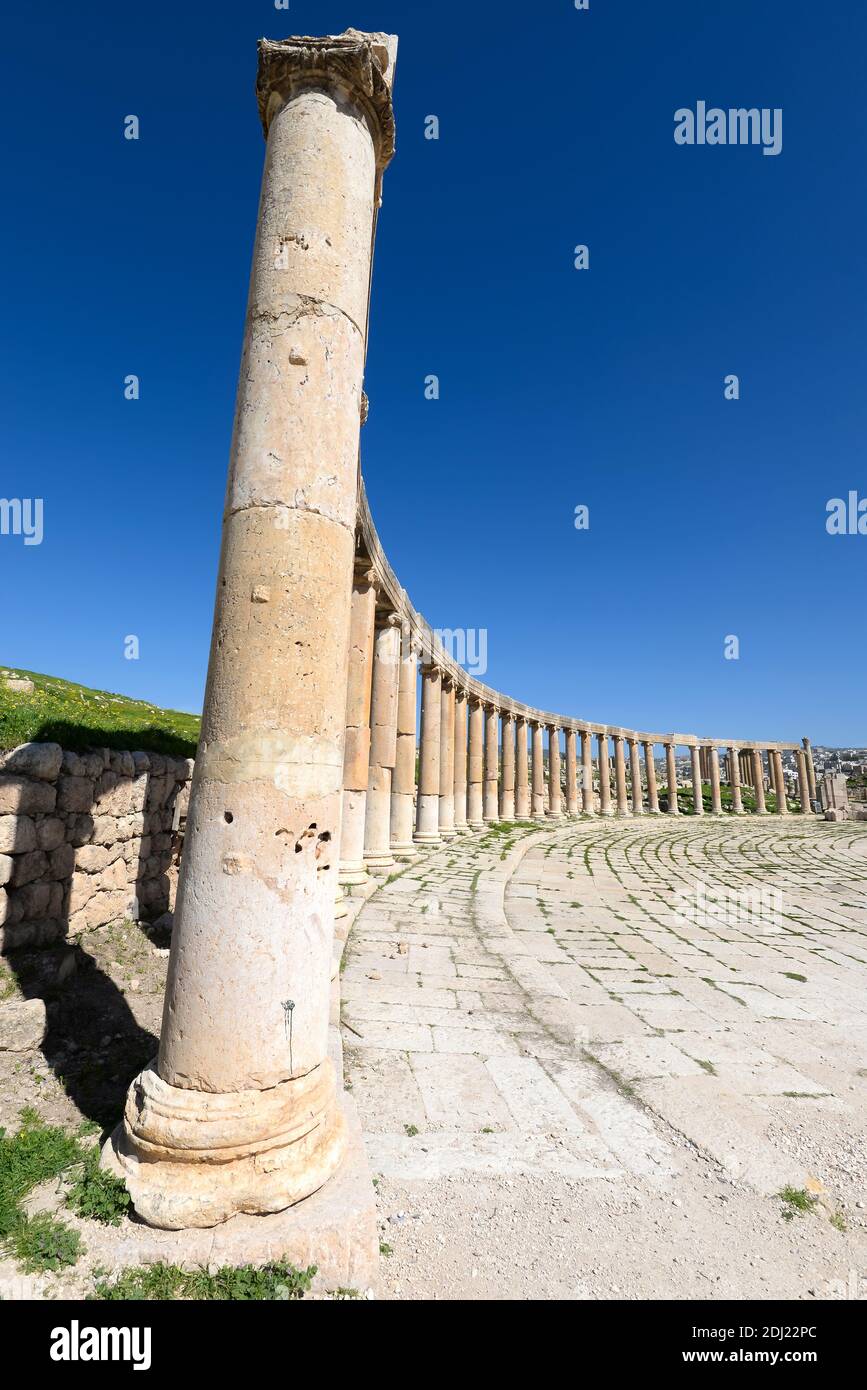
column 23, row 796
column 39, row 760
column 51, row 832
column 61, row 862
column 17, row 834
column 22, row 1024
column 29, row 867
column 7, row 868
column 74, row 794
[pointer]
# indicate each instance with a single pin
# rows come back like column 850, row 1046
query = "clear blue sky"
column 558, row 387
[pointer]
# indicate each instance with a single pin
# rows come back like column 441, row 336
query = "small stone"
column 22, row 1025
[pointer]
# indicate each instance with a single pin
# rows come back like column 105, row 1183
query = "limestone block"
column 29, row 867
column 138, row 793
column 22, row 685
column 114, row 877
column 95, row 763
column 107, row 830
column 74, row 794
column 122, row 763
column 73, row 764
column 22, row 1024
column 17, row 834
column 141, row 763
column 43, row 932
column 158, row 764
column 11, row 909
column 21, row 796
column 100, row 910
column 7, row 868
column 33, row 900
column 113, row 796
column 61, row 862
column 79, row 829
column 84, row 887
column 51, row 832
column 39, row 760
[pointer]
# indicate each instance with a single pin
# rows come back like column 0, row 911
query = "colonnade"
column 310, row 768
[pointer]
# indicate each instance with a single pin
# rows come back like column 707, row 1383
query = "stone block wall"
column 85, row 839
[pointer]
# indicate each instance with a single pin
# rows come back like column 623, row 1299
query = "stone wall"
column 85, row 839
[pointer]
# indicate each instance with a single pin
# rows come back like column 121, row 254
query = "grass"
column 97, row 1194
column 37, row 1153
column 238, row 1283
column 76, row 717
column 797, row 1202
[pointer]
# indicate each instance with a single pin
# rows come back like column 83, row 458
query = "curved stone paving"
column 614, row 1002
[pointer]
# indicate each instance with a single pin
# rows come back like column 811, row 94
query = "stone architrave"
column 240, row 1111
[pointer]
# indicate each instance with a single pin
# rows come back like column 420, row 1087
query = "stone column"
column 571, row 773
column 240, row 1113
column 461, row 760
column 522, row 780
column 698, row 799
column 652, row 790
column 383, row 744
column 735, row 781
column 587, row 803
column 356, row 749
column 427, row 816
column 804, row 783
column 604, row 776
column 447, row 758
column 758, row 781
column 555, row 800
column 715, row 796
column 635, row 778
column 779, row 781
column 811, row 771
column 403, row 781
column 538, row 774
column 507, row 791
column 475, row 765
column 492, row 761
column 671, row 770
column 620, row 776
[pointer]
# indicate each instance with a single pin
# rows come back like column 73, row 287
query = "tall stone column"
column 779, row 781
column 604, row 776
column 427, row 817
column 811, row 770
column 652, row 789
column 571, row 773
column 620, row 776
column 240, row 1113
column 671, row 771
column 635, row 778
column 383, row 744
column 804, row 783
column 476, row 765
column 587, row 804
column 492, row 764
column 447, row 758
column 403, row 780
column 697, row 791
column 555, row 800
column 538, row 774
column 507, row 791
column 522, row 778
column 758, row 781
column 715, row 795
column 461, row 760
column 735, row 781
column 356, row 750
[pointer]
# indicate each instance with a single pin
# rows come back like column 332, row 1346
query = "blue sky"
column 558, row 387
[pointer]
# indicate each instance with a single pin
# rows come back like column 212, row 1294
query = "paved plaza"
column 588, row 1058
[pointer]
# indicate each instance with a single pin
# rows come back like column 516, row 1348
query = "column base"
column 197, row 1158
column 477, row 825
column 351, row 873
column 450, row 833
column 405, row 851
column 378, row 863
column 605, row 811
column 427, row 837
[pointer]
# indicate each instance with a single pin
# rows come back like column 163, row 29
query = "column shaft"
column 715, row 794
column 461, row 760
column 604, row 776
column 538, row 774
column 758, row 781
column 447, row 758
column 571, row 773
column 620, row 776
column 671, row 772
column 735, row 780
column 403, row 780
column 492, row 764
column 635, row 778
column 779, row 781
column 555, row 799
column 356, row 749
column 475, row 766
column 522, row 777
column 383, row 745
column 697, row 791
column 652, row 789
column 804, row 783
column 588, row 805
column 427, row 817
column 507, row 792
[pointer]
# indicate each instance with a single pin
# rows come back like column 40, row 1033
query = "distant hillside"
column 58, row 711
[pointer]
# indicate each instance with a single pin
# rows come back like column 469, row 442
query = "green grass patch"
column 98, row 1194
column 76, row 717
column 791, row 975
column 241, row 1283
column 797, row 1202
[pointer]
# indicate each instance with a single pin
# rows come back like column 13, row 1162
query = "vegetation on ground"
column 243, row 1283
column 76, row 717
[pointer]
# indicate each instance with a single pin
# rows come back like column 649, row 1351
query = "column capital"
column 359, row 65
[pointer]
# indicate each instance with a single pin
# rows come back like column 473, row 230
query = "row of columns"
column 478, row 764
